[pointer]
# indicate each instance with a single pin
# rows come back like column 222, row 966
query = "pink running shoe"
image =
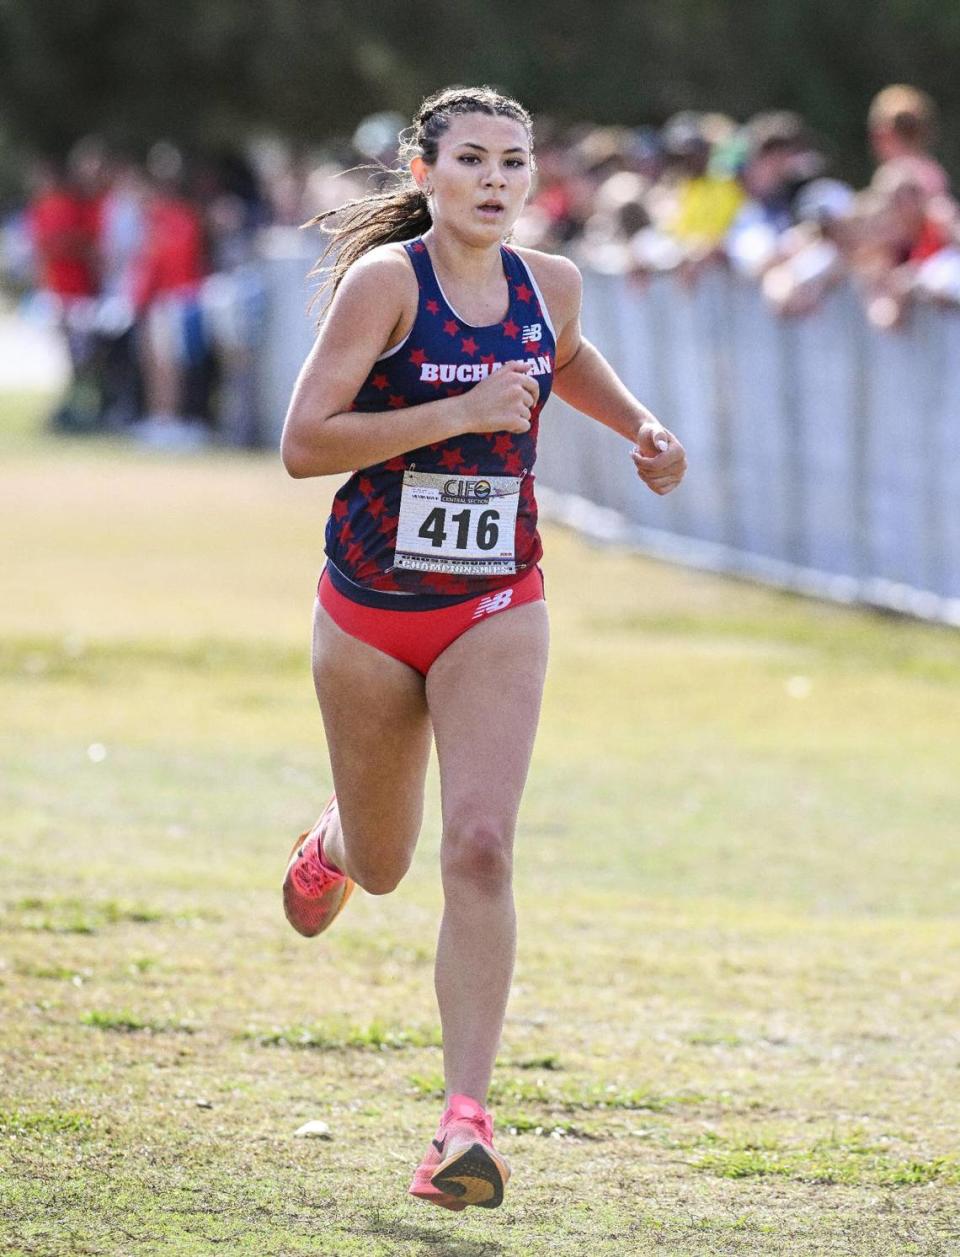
column 461, row 1166
column 314, row 894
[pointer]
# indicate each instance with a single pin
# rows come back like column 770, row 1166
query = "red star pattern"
column 394, row 464
column 489, row 359
column 469, row 346
column 339, row 509
column 388, row 525
column 353, row 553
column 523, row 292
column 533, row 347
column 510, row 329
column 433, row 307
column 418, row 357
column 472, row 470
column 502, row 445
column 451, row 327
column 380, row 381
column 376, row 507
column 397, row 402
column 419, row 247
column 365, row 486
column 451, row 459
column 513, row 464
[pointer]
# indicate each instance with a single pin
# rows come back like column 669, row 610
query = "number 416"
column 434, row 528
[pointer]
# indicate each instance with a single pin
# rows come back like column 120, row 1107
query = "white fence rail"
column 824, row 456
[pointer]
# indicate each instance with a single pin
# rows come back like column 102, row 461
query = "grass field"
column 734, row 1028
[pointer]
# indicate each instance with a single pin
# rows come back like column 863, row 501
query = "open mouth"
column 490, row 208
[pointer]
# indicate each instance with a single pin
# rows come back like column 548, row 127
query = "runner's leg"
column 378, row 735
column 484, row 693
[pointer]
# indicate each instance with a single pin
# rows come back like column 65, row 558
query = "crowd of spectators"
column 150, row 271
column 761, row 199
column 151, row 268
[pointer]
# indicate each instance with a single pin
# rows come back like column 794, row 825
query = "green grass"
column 734, row 1023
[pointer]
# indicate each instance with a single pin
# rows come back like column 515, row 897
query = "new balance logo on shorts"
column 533, row 331
column 494, row 602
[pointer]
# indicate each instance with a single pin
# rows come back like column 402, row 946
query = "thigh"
column 378, row 734
column 484, row 693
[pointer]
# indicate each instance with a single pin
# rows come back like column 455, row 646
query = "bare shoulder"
column 379, row 291
column 384, row 272
column 559, row 279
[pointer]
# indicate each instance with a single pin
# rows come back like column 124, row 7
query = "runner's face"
column 481, row 177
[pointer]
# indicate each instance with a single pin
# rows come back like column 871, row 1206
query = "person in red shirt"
column 63, row 234
column 165, row 293
column 62, row 228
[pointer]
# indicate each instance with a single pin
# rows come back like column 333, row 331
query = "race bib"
column 465, row 525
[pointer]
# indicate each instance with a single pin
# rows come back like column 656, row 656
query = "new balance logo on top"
column 533, row 331
column 494, row 602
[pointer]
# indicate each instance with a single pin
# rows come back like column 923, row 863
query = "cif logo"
column 457, row 490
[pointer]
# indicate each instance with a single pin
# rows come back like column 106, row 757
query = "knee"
column 377, row 877
column 377, row 869
column 478, row 854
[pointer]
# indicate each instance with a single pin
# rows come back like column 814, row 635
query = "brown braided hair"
column 400, row 212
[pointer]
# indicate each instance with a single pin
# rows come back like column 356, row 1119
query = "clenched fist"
column 659, row 458
column 502, row 402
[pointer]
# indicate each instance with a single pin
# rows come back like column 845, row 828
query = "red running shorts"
column 418, row 638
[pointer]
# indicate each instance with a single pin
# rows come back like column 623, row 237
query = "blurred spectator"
column 62, row 224
column 122, row 240
column 705, row 204
column 166, row 296
column 815, row 252
column 780, row 159
column 619, row 214
column 902, row 124
column 698, row 204
column 233, row 301
column 910, row 229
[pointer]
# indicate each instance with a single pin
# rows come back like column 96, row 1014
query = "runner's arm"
column 321, row 436
column 586, row 381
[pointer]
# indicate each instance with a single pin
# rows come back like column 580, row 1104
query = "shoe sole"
column 473, row 1176
column 292, row 900
column 432, row 1196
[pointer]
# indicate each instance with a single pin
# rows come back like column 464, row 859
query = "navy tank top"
column 444, row 356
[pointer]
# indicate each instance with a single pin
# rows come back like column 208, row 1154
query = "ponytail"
column 400, row 214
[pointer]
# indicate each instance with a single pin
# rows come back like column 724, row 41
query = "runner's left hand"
column 659, row 458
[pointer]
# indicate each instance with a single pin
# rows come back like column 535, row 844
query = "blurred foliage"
column 211, row 71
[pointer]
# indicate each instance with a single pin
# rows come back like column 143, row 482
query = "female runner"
column 437, row 354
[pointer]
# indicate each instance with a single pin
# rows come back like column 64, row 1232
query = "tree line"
column 210, row 72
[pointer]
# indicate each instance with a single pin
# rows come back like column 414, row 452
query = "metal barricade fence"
column 824, row 455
